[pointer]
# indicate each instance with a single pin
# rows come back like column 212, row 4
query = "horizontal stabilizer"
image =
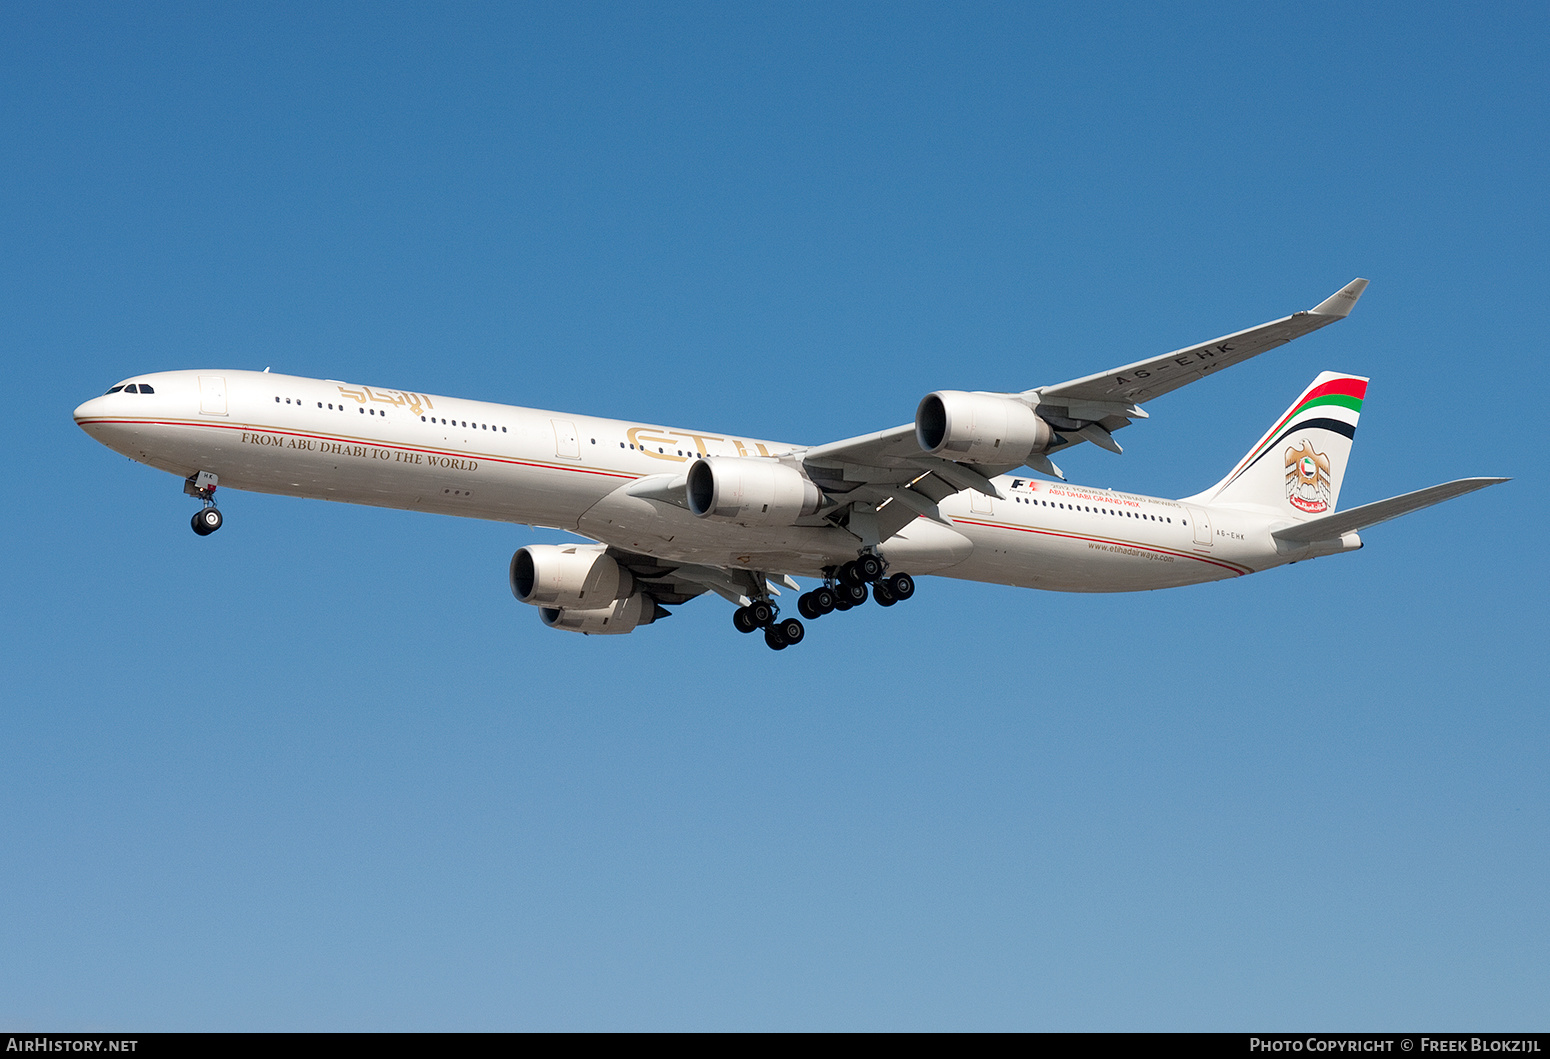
column 1332, row 527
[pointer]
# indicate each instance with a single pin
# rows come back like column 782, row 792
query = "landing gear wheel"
column 774, row 639
column 901, row 585
column 884, row 595
column 790, row 631
column 850, row 574
column 855, row 595
column 762, row 612
column 824, row 599
column 870, row 567
column 206, row 521
column 743, row 621
column 842, row 604
column 808, row 607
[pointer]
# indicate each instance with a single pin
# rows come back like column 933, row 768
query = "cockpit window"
column 145, row 387
column 115, row 389
column 131, row 388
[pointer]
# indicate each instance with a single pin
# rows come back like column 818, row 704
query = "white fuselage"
column 394, row 448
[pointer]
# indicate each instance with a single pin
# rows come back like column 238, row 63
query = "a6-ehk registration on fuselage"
column 676, row 513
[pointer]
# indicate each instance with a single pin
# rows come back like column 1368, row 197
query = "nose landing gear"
column 208, row 518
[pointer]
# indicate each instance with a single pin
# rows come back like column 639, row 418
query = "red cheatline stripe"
column 1239, row 570
column 345, row 439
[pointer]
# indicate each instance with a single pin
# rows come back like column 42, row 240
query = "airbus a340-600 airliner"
column 676, row 513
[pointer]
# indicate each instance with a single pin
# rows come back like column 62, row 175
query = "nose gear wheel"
column 201, row 486
column 207, row 521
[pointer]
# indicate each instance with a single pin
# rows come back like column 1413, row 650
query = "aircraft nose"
column 89, row 409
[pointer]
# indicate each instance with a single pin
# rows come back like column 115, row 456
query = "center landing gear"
column 820, row 601
column 848, row 586
column 844, row 587
column 208, row 518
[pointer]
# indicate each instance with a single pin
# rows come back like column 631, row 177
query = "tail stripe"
column 1343, row 392
column 1340, row 399
column 1307, row 481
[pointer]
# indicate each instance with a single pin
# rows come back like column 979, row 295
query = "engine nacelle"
column 750, row 491
column 621, row 616
column 568, row 575
column 980, row 428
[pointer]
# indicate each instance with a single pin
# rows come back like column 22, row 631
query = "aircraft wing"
column 662, row 581
column 1137, row 383
column 889, row 468
column 883, row 481
column 672, row 584
column 1331, row 527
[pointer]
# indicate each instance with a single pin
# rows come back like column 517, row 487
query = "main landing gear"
column 208, row 518
column 848, row 586
column 761, row 614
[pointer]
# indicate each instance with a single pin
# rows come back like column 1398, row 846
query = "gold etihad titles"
column 654, row 443
column 416, row 403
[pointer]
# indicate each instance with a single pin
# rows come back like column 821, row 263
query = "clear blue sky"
column 321, row 771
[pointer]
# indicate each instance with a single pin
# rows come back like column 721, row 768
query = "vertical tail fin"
column 1297, row 467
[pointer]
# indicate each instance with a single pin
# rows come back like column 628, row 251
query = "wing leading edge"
column 1143, row 380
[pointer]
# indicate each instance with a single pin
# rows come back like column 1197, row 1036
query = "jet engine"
column 750, row 491
column 621, row 616
column 568, row 575
column 980, row 428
